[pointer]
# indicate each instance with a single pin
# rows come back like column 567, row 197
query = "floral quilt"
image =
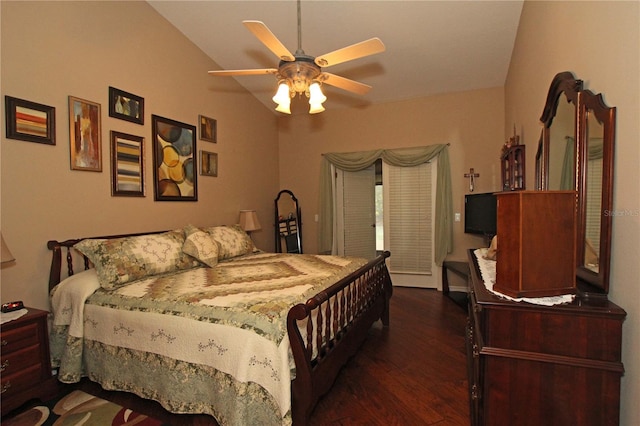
column 203, row 340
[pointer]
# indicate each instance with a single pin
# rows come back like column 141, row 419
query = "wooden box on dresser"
column 26, row 366
column 542, row 365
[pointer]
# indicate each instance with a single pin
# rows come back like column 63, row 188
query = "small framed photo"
column 208, row 163
column 208, row 129
column 85, row 135
column 127, row 165
column 174, row 160
column 126, row 106
column 29, row 121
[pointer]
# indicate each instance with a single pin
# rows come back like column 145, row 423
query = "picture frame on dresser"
column 85, row 135
column 174, row 160
column 127, row 165
column 29, row 121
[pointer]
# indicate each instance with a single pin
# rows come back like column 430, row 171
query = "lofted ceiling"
column 432, row 47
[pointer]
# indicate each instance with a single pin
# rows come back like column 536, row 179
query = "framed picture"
column 127, row 165
column 126, row 106
column 174, row 162
column 29, row 121
column 208, row 163
column 85, row 135
column 208, row 129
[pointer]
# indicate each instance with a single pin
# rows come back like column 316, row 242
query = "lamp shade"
column 6, row 253
column 249, row 220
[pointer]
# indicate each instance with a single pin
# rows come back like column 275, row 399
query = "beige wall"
column 472, row 122
column 51, row 50
column 599, row 43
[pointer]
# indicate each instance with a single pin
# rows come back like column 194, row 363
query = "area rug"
column 79, row 408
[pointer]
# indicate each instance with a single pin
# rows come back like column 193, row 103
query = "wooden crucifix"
column 471, row 175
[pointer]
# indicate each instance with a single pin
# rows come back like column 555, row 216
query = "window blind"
column 409, row 218
column 594, row 202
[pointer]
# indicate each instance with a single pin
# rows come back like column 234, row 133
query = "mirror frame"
column 276, row 224
column 590, row 283
column 590, row 103
column 563, row 83
column 540, row 179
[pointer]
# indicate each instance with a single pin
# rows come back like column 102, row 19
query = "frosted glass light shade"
column 316, row 108
column 282, row 95
column 315, row 94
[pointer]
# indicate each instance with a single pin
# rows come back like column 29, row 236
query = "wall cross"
column 471, row 176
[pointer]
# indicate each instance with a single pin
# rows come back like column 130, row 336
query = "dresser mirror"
column 597, row 134
column 576, row 152
column 560, row 117
column 288, row 223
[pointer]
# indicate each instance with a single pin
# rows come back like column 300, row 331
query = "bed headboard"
column 57, row 247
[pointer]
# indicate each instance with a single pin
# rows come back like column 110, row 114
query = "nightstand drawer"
column 19, row 360
column 24, row 361
column 18, row 338
column 12, row 384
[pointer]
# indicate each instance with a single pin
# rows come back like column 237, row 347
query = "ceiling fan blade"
column 264, row 34
column 355, row 51
column 225, row 73
column 344, row 83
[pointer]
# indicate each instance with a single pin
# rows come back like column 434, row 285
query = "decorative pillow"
column 122, row 260
column 200, row 245
column 232, row 241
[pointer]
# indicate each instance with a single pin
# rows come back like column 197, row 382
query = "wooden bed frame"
column 337, row 323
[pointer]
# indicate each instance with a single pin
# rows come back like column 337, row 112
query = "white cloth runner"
column 10, row 316
column 488, row 272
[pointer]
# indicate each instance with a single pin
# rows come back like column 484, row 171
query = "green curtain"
column 402, row 157
column 568, row 169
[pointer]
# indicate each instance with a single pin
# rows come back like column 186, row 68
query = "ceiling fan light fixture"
column 315, row 108
column 282, row 95
column 284, row 108
column 315, row 94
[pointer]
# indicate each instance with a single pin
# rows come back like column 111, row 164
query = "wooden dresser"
column 26, row 366
column 542, row 365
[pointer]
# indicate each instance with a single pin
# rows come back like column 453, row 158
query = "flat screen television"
column 480, row 214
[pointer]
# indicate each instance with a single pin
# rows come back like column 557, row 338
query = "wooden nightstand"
column 25, row 365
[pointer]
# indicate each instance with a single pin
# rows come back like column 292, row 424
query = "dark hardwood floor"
column 413, row 372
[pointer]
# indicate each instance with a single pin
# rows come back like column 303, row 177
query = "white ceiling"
column 431, row 46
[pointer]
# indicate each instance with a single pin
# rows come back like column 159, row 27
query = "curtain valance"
column 401, row 157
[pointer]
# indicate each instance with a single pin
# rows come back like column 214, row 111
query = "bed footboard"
column 336, row 322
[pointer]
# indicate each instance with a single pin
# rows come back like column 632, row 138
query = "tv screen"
column 480, row 214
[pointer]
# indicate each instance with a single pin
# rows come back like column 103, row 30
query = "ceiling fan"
column 300, row 73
